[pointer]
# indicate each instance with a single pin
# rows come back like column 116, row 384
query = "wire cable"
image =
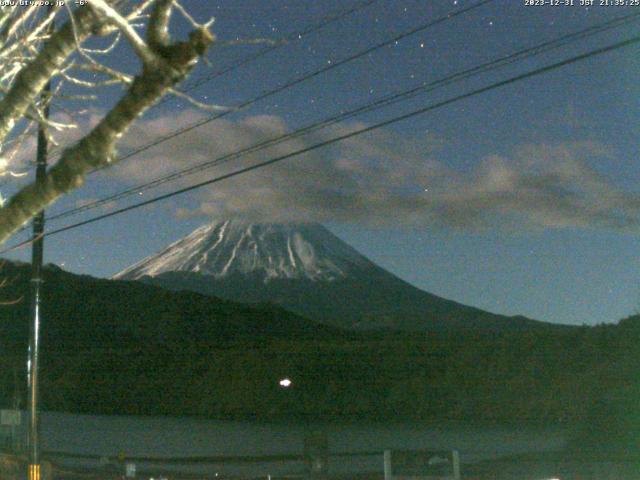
column 414, row 113
column 293, row 36
column 299, row 80
column 379, row 103
column 297, row 35
column 304, row 78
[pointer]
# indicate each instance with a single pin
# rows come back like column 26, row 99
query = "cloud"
column 383, row 178
column 549, row 186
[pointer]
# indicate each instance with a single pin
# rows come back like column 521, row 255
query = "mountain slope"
column 309, row 271
column 82, row 313
column 122, row 347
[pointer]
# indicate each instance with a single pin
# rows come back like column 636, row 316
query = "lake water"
column 110, row 436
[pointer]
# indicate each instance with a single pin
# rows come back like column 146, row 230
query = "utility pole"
column 37, row 252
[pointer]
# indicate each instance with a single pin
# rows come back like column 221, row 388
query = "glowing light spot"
column 285, row 383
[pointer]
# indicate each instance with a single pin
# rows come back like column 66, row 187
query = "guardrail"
column 61, row 465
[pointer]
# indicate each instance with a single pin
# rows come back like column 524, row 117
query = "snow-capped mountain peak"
column 304, row 268
column 270, row 251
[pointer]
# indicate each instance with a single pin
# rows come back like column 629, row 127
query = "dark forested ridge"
column 118, row 347
column 373, row 299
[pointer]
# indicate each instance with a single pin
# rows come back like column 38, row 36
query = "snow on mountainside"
column 271, row 251
column 307, row 270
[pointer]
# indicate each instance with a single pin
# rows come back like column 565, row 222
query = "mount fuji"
column 305, row 269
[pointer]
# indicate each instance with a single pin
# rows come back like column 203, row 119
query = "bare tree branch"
column 158, row 33
column 15, row 22
column 34, row 36
column 112, row 16
column 171, row 64
column 33, row 77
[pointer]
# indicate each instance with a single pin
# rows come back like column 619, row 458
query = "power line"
column 294, row 36
column 297, row 35
column 414, row 113
column 382, row 102
column 304, row 78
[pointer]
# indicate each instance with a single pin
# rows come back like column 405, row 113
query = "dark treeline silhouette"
column 113, row 347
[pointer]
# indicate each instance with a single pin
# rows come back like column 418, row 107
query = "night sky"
column 522, row 200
